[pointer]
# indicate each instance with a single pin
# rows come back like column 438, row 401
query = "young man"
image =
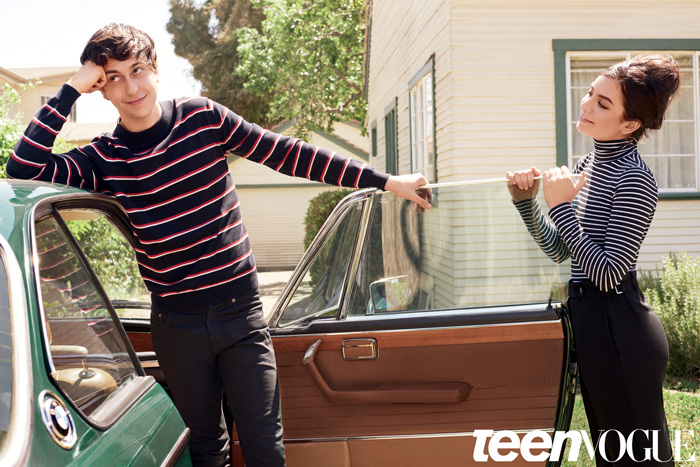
column 166, row 163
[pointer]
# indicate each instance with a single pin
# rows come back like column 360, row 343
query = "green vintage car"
column 72, row 390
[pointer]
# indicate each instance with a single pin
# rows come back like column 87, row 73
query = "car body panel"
column 141, row 425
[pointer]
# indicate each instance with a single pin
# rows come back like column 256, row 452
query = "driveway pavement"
column 271, row 284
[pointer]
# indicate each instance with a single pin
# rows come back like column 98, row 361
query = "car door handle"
column 359, row 349
column 388, row 393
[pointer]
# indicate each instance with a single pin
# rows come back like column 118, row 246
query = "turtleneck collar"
column 147, row 139
column 609, row 150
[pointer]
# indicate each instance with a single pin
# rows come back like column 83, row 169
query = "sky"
column 42, row 33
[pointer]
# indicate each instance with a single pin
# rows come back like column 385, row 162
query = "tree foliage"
column 204, row 34
column 110, row 256
column 10, row 127
column 309, row 58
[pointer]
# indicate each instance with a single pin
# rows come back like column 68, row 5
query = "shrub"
column 675, row 296
column 320, row 207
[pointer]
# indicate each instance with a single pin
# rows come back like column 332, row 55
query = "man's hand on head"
column 406, row 186
column 89, row 78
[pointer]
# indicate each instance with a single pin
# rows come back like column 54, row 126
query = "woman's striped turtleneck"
column 603, row 229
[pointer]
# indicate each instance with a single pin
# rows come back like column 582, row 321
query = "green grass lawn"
column 682, row 402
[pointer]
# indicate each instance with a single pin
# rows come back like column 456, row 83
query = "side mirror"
column 390, row 294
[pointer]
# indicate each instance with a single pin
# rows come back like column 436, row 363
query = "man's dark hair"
column 120, row 42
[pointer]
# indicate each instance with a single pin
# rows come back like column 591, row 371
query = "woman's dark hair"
column 648, row 83
column 120, row 42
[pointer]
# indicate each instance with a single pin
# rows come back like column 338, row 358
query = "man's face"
column 132, row 87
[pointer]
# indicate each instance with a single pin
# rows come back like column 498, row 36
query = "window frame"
column 561, row 48
column 119, row 404
column 349, row 202
column 427, row 69
column 391, row 138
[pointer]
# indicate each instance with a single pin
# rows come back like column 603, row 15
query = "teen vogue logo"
column 506, row 446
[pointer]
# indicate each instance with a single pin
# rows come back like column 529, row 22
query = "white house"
column 466, row 89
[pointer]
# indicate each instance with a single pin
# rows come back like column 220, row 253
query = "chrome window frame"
column 16, row 450
column 367, row 196
column 312, row 252
column 117, row 406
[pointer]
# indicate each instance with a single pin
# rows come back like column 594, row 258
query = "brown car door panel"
column 354, row 397
column 445, row 380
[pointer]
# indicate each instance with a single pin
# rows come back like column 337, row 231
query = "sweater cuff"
column 373, row 178
column 68, row 93
column 65, row 98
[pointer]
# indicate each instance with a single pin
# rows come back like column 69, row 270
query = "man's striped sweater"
column 174, row 182
column 603, row 229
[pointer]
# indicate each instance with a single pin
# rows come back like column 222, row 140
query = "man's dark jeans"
column 205, row 352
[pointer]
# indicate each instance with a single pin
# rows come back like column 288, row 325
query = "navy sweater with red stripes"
column 174, row 182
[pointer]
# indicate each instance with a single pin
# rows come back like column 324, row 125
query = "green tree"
column 110, row 256
column 309, row 59
column 204, row 34
column 10, row 127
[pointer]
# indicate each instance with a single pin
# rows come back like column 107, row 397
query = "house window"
column 391, row 139
column 672, row 152
column 73, row 110
column 422, row 112
column 373, row 136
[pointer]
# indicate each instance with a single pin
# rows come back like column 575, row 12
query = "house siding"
column 495, row 91
column 274, row 205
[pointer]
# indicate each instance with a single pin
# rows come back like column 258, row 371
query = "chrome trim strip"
column 17, row 446
column 178, row 448
column 118, row 404
column 413, row 436
column 389, row 331
column 344, row 302
column 454, row 312
column 36, row 213
column 312, row 251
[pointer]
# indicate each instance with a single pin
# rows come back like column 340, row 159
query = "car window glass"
column 472, row 249
column 319, row 292
column 113, row 260
column 5, row 357
column 88, row 352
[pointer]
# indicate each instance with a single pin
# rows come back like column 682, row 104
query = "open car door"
column 402, row 332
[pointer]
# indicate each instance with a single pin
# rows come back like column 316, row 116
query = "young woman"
column 600, row 221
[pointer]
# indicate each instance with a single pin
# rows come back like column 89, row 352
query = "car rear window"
column 90, row 356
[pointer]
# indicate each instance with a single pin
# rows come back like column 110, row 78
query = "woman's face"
column 602, row 112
